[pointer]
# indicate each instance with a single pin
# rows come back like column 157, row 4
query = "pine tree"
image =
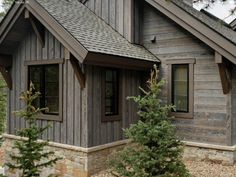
column 32, row 156
column 3, row 101
column 155, row 150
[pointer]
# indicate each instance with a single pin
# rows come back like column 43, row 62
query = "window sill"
column 111, row 118
column 182, row 115
column 50, row 117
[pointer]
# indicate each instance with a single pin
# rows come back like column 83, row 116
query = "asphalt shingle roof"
column 91, row 31
column 214, row 24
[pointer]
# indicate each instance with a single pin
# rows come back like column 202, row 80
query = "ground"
column 202, row 169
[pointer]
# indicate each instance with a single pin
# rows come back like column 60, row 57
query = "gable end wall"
column 211, row 122
column 72, row 130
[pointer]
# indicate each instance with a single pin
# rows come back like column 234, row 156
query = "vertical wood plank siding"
column 81, row 125
column 211, row 117
column 233, row 105
column 69, row 131
column 122, row 15
column 105, row 132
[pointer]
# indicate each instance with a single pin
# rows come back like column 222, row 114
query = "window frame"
column 111, row 118
column 60, row 63
column 190, row 62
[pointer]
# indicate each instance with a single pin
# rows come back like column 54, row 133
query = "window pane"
column 111, row 92
column 180, row 87
column 35, row 73
column 46, row 80
column 52, row 89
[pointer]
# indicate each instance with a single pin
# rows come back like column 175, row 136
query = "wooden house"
column 86, row 57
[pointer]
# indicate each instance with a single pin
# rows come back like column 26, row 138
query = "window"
column 110, row 95
column 181, row 87
column 47, row 80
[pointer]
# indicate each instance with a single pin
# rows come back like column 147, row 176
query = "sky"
column 221, row 10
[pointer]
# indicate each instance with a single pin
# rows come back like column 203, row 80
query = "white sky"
column 221, row 10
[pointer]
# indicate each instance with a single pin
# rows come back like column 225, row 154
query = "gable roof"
column 214, row 24
column 81, row 31
column 216, row 35
column 233, row 24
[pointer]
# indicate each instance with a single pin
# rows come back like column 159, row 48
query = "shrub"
column 155, row 149
column 32, row 157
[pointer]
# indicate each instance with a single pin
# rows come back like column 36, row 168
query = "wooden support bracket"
column 5, row 65
column 78, row 71
column 218, row 58
column 38, row 28
column 225, row 81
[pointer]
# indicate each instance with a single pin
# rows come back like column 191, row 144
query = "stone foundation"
column 225, row 155
column 76, row 162
column 84, row 162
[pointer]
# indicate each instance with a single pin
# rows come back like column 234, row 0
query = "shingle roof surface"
column 91, row 31
column 216, row 25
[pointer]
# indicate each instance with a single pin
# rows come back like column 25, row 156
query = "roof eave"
column 197, row 28
column 107, row 60
column 74, row 46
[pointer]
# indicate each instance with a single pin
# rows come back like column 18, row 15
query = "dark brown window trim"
column 191, row 63
column 111, row 118
column 60, row 62
column 43, row 62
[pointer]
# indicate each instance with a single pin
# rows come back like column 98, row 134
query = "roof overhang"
column 66, row 39
column 197, row 28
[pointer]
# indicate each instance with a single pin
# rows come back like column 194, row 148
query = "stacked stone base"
column 225, row 155
column 76, row 161
column 84, row 162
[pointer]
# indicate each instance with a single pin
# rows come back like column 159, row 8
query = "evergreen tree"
column 6, row 4
column 31, row 156
column 155, row 150
column 2, row 107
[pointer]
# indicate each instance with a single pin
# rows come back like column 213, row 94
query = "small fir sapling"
column 32, row 156
column 155, row 150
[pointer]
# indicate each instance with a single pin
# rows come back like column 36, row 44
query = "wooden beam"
column 78, row 71
column 38, row 28
column 218, row 57
column 7, row 76
column 225, row 81
column 67, row 54
column 5, row 60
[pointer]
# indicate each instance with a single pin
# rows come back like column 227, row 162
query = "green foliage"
column 155, row 150
column 6, row 4
column 3, row 103
column 32, row 156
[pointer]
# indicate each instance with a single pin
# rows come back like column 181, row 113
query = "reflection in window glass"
column 111, row 92
column 180, row 87
column 46, row 81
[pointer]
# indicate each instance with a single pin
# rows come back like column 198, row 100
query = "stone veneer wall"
column 84, row 162
column 76, row 162
column 225, row 155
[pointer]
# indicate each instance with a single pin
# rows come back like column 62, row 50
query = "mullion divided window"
column 46, row 81
column 110, row 95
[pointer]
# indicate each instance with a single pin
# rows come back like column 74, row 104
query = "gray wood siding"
column 211, row 122
column 122, row 15
column 233, row 106
column 72, row 130
column 106, row 132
